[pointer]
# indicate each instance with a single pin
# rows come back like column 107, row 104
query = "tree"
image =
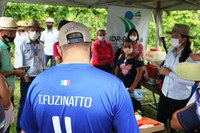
column 97, row 18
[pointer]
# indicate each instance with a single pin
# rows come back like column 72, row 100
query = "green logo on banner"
column 127, row 20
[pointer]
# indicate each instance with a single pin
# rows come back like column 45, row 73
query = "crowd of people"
column 91, row 82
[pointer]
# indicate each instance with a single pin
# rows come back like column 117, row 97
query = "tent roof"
column 167, row 5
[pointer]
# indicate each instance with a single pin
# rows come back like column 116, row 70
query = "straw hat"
column 7, row 23
column 51, row 20
column 183, row 71
column 181, row 29
column 34, row 24
column 21, row 25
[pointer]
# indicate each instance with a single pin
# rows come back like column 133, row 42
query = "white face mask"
column 33, row 35
column 128, row 50
column 175, row 42
column 101, row 38
column 133, row 38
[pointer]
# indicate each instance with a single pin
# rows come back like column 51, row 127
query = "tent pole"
column 158, row 25
column 2, row 7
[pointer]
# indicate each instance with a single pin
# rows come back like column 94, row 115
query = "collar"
column 28, row 41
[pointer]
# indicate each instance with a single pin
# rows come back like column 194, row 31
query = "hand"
column 165, row 70
column 130, row 90
column 139, row 94
column 27, row 79
column 19, row 73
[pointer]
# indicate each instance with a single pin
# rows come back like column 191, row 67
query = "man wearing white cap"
column 49, row 37
column 8, row 29
column 78, row 98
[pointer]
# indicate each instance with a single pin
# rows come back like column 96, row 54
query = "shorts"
column 188, row 118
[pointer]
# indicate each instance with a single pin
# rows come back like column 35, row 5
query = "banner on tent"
column 123, row 19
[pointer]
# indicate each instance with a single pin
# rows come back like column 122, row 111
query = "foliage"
column 93, row 18
column 97, row 18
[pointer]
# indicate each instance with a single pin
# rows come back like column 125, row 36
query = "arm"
column 141, row 48
column 5, row 92
column 23, row 131
column 140, row 71
column 166, row 71
column 116, row 71
column 56, row 54
column 42, row 38
column 111, row 57
column 175, row 122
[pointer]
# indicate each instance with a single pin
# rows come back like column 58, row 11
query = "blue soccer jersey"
column 78, row 98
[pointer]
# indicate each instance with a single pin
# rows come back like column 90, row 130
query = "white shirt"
column 31, row 55
column 19, row 38
column 173, row 86
column 49, row 38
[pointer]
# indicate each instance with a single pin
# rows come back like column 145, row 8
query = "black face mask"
column 8, row 39
column 49, row 27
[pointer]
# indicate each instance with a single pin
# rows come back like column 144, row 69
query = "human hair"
column 128, row 41
column 62, row 22
column 186, row 51
column 101, row 30
column 78, row 45
column 130, row 32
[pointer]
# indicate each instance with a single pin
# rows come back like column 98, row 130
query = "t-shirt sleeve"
column 139, row 63
column 124, row 118
column 42, row 37
column 28, row 121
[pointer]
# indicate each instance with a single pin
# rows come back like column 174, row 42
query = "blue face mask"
column 8, row 39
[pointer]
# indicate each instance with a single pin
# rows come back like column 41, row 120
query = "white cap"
column 8, row 23
column 49, row 20
column 68, row 30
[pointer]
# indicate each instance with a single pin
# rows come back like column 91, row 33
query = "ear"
column 59, row 50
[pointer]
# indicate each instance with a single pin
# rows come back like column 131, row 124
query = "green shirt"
column 5, row 62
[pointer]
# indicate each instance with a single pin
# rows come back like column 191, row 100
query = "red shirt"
column 102, row 54
column 55, row 50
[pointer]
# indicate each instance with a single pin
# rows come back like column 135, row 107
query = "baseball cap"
column 73, row 32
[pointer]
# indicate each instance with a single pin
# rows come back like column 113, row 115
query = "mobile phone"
column 24, row 68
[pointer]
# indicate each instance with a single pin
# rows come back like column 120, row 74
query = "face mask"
column 128, row 50
column 8, row 39
column 33, row 35
column 101, row 38
column 133, row 38
column 49, row 27
column 175, row 42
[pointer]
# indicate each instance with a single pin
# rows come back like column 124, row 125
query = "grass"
column 147, row 110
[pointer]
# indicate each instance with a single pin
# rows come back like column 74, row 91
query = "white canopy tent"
column 157, row 6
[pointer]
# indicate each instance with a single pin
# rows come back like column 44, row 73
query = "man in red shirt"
column 102, row 52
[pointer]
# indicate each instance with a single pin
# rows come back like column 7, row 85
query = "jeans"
column 23, row 91
column 50, row 57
